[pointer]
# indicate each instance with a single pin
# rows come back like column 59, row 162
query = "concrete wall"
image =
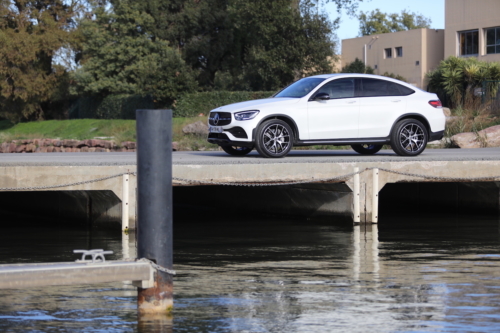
column 423, row 45
column 36, row 176
column 305, row 200
column 463, row 15
column 413, row 199
column 72, row 207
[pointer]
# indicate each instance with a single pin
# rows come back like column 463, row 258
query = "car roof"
column 372, row 76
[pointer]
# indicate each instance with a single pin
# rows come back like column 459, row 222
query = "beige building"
column 410, row 54
column 472, row 28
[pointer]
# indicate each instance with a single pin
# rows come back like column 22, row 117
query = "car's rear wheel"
column 236, row 150
column 366, row 149
column 409, row 137
column 274, row 138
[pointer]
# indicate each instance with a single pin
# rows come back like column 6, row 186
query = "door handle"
column 351, row 102
column 396, row 100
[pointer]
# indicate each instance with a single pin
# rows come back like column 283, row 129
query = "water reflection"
column 272, row 275
column 365, row 257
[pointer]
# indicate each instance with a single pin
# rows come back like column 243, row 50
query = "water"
column 271, row 275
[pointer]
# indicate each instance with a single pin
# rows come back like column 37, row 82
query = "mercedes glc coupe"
column 360, row 110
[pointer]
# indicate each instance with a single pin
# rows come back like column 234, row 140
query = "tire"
column 366, row 149
column 409, row 137
column 274, row 138
column 236, row 150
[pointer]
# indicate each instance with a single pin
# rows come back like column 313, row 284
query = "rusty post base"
column 158, row 299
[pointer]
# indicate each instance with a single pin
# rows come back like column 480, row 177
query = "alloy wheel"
column 412, row 137
column 276, row 139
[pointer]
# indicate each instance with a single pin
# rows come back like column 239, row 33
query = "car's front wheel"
column 274, row 138
column 236, row 150
column 409, row 137
column 366, row 149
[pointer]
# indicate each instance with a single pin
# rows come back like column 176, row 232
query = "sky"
column 349, row 27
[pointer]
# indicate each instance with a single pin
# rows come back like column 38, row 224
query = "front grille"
column 224, row 118
column 238, row 132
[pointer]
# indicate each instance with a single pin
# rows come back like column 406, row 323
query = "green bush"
column 110, row 107
column 191, row 105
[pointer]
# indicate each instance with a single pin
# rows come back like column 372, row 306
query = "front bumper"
column 222, row 139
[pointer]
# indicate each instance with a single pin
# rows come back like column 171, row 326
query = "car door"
column 380, row 104
column 336, row 118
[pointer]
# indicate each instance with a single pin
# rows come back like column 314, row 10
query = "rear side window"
column 375, row 87
column 342, row 88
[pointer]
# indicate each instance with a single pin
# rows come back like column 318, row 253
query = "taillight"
column 436, row 104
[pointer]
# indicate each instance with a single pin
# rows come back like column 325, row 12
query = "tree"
column 456, row 79
column 31, row 32
column 377, row 22
column 279, row 44
column 250, row 45
column 120, row 57
column 357, row 66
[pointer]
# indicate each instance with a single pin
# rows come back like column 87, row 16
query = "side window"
column 374, row 88
column 342, row 88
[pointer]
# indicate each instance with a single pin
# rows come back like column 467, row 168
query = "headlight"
column 246, row 115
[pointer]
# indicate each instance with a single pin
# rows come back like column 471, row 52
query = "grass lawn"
column 110, row 129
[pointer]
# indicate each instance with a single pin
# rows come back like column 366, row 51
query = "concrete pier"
column 318, row 182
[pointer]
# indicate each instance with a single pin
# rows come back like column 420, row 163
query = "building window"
column 388, row 53
column 493, row 40
column 376, row 66
column 469, row 42
column 399, row 51
column 417, row 63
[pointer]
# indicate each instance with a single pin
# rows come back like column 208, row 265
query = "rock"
column 70, row 143
column 198, row 128
column 30, row 148
column 175, row 146
column 466, row 140
column 108, row 144
column 95, row 143
column 128, row 144
column 20, row 148
column 491, row 135
column 80, row 144
column 447, row 112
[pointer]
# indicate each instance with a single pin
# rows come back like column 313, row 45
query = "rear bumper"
column 436, row 136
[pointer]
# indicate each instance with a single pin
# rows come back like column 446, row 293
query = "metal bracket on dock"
column 96, row 254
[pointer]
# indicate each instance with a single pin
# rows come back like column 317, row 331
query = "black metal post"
column 154, row 225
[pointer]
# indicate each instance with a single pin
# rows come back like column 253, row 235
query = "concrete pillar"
column 366, row 194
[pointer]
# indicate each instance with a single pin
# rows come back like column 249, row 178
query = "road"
column 218, row 157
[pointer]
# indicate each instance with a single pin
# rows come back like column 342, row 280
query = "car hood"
column 256, row 104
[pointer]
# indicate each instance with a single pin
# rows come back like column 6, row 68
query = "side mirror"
column 322, row 97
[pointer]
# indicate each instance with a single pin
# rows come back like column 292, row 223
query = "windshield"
column 300, row 88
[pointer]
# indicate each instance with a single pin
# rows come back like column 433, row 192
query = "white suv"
column 364, row 111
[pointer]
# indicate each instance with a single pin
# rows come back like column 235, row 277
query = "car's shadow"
column 294, row 153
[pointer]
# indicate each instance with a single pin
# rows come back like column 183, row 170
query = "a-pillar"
column 367, row 191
